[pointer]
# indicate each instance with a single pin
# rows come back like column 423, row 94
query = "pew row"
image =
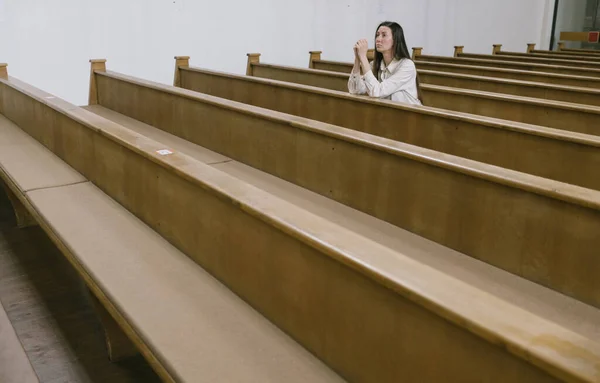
column 553, row 114
column 207, row 124
column 524, row 58
column 588, row 52
column 84, row 179
column 532, row 52
column 577, row 95
column 14, row 363
column 522, row 75
column 568, row 55
column 314, row 156
column 501, row 62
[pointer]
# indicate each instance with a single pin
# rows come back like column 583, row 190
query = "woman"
column 396, row 78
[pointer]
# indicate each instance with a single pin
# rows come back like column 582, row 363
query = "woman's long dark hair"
column 400, row 51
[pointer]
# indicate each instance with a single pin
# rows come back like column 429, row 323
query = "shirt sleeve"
column 356, row 83
column 402, row 78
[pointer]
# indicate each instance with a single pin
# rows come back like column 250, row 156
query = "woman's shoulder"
column 407, row 63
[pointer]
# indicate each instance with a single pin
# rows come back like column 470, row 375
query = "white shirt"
column 398, row 82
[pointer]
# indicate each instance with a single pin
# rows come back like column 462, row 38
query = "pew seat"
column 188, row 325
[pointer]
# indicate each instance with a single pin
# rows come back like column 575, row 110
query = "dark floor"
column 50, row 310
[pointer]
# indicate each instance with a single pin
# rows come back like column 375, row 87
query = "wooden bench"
column 540, row 90
column 532, row 52
column 553, row 114
column 521, row 75
column 566, row 55
column 442, row 130
column 188, row 325
column 268, row 138
column 272, row 147
column 14, row 363
column 498, row 54
column 501, row 62
column 587, row 52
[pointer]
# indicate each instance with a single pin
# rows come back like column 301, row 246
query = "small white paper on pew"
column 164, row 152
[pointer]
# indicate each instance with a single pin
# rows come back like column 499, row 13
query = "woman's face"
column 383, row 39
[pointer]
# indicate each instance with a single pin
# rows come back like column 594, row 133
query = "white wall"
column 48, row 43
column 439, row 25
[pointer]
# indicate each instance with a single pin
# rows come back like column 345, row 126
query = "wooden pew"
column 14, row 363
column 338, row 164
column 521, row 75
column 102, row 192
column 500, row 62
column 587, row 52
column 567, row 55
column 498, row 54
column 206, row 133
column 539, row 90
column 532, row 52
column 578, row 95
column 553, row 114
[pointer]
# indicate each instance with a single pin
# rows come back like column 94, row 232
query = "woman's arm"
column 356, row 67
column 402, row 78
column 356, row 83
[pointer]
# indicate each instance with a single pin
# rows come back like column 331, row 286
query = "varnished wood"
column 180, row 61
column 563, row 58
column 314, row 55
column 367, row 304
column 3, row 71
column 546, row 91
column 567, row 54
column 574, row 36
column 118, row 345
column 211, row 126
column 113, row 84
column 499, row 61
column 371, row 54
column 333, row 66
column 532, row 52
column 521, row 75
column 529, row 58
column 456, row 133
column 553, row 114
column 115, row 285
column 591, row 52
column 416, row 52
column 220, row 218
column 96, row 65
column 252, row 58
column 540, row 90
column 458, row 50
